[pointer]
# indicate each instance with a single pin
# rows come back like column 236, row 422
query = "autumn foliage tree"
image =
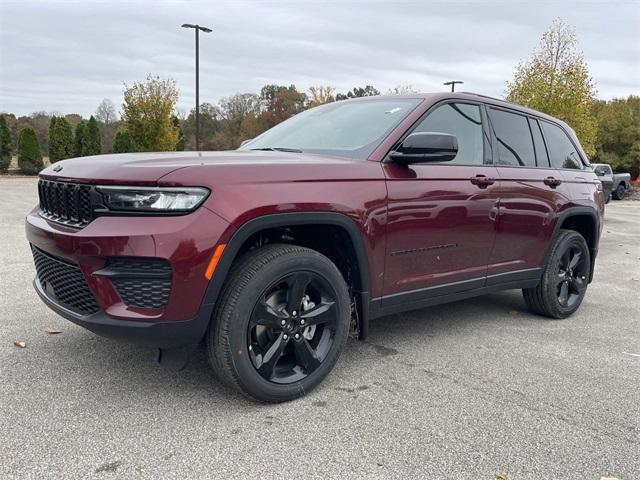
column 147, row 114
column 556, row 81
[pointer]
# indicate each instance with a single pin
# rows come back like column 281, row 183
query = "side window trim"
column 534, row 123
column 486, row 146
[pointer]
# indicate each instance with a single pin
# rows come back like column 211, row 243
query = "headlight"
column 153, row 199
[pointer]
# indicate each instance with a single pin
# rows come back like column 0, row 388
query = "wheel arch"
column 585, row 221
column 240, row 241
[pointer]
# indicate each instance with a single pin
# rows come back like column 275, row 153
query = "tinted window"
column 561, row 150
column 541, row 152
column 465, row 122
column 515, row 145
column 350, row 129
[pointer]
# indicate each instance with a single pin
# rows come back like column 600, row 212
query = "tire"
column 619, row 192
column 564, row 279
column 248, row 346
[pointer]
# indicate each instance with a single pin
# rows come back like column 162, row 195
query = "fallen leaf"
column 51, row 331
column 20, row 344
column 501, row 476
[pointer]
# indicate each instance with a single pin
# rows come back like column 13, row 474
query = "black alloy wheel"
column 564, row 279
column 280, row 322
column 571, row 276
column 292, row 327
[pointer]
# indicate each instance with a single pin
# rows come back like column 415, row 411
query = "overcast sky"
column 67, row 56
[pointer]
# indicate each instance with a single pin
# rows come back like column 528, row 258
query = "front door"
column 441, row 216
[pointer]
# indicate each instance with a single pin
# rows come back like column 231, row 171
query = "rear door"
column 440, row 226
column 531, row 192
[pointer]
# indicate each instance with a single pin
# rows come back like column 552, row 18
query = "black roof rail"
column 485, row 96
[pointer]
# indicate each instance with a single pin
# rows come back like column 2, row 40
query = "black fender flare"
column 257, row 224
column 573, row 212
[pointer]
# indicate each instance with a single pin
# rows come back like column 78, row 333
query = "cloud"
column 68, row 56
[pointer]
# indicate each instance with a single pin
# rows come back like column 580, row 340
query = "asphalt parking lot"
column 461, row 391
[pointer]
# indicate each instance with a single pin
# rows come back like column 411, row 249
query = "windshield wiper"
column 278, row 149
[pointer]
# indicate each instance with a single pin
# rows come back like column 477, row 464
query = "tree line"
column 554, row 80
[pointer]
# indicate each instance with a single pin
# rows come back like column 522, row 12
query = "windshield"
column 349, row 129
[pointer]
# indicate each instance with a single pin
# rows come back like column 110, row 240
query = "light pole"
column 197, row 29
column 453, row 84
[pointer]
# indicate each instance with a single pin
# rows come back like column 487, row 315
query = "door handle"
column 482, row 181
column 552, row 182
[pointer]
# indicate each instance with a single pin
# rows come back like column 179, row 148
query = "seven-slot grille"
column 64, row 283
column 65, row 202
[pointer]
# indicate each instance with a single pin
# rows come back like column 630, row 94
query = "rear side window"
column 465, row 122
column 515, row 145
column 562, row 152
column 602, row 170
column 541, row 152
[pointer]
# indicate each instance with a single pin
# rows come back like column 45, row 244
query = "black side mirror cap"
column 423, row 147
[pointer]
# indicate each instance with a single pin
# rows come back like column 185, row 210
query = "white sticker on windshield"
column 393, row 110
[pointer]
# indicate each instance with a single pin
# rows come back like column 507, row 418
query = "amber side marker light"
column 217, row 253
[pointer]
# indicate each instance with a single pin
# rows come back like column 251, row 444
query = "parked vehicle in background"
column 613, row 184
column 605, row 175
column 274, row 253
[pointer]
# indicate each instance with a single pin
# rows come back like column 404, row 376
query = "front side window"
column 562, row 152
column 515, row 144
column 465, row 122
column 350, row 129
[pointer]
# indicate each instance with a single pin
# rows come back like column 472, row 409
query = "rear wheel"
column 281, row 323
column 619, row 192
column 564, row 280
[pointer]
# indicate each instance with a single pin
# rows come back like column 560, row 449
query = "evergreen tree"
column 29, row 156
column 122, row 143
column 61, row 143
column 5, row 145
column 79, row 137
column 91, row 140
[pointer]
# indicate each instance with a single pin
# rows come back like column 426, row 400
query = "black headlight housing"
column 150, row 200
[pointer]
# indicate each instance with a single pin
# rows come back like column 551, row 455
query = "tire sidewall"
column 567, row 239
column 248, row 378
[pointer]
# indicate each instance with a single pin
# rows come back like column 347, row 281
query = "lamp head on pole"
column 197, row 27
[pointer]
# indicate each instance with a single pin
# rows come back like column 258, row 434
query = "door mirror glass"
column 422, row 147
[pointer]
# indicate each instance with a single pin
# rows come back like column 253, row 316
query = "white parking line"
column 632, row 354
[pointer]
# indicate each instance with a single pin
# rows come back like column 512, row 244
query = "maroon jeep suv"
column 275, row 253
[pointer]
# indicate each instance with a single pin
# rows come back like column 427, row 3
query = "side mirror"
column 423, row 147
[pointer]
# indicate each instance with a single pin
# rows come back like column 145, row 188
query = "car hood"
column 149, row 168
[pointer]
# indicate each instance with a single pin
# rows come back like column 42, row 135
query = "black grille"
column 65, row 202
column 64, row 283
column 141, row 282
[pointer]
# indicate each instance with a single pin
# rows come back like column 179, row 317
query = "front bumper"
column 185, row 242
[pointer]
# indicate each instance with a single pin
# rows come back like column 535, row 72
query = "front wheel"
column 564, row 280
column 619, row 192
column 281, row 323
